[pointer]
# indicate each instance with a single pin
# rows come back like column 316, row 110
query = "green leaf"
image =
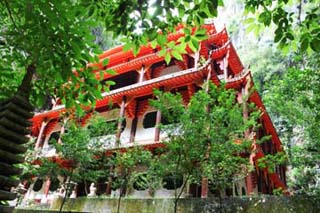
column 251, row 27
column 195, row 43
column 111, row 83
column 171, row 44
column 128, row 46
column 265, row 18
column 105, row 62
column 187, row 31
column 201, row 32
column 161, row 39
column 249, row 20
column 315, row 44
column 154, row 44
column 290, row 36
column 162, row 52
column 182, row 48
column 192, row 47
column 111, row 72
column 176, row 55
column 167, row 58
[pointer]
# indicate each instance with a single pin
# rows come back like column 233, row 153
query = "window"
column 54, row 137
column 123, row 80
column 149, row 120
column 106, row 128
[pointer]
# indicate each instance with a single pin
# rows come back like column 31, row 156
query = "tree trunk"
column 66, row 192
column 176, row 200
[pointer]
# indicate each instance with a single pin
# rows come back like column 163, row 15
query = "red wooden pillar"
column 249, row 184
column 157, row 129
column 245, row 92
column 204, row 187
column 158, row 122
column 121, row 117
column 134, row 123
column 40, row 135
column 108, row 190
column 63, row 129
column 141, row 74
column 47, row 187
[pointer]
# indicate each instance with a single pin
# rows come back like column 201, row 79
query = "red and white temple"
column 137, row 76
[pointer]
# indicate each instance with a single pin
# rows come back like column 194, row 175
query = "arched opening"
column 54, row 184
column 141, row 182
column 37, row 185
column 172, row 181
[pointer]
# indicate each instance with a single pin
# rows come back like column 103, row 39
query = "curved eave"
column 125, row 61
column 210, row 28
column 234, row 61
column 255, row 98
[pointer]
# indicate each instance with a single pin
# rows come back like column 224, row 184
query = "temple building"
column 135, row 79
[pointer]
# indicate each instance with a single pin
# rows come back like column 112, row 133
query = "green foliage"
column 98, row 126
column 272, row 160
column 296, row 22
column 294, row 98
column 203, row 142
column 84, row 160
column 56, row 37
column 127, row 163
column 130, row 166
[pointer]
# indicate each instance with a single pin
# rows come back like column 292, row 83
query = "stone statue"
column 73, row 193
column 93, row 190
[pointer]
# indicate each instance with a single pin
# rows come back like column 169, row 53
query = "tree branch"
column 10, row 13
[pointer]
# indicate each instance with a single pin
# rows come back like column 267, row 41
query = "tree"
column 44, row 42
column 46, row 46
column 298, row 89
column 287, row 81
column 296, row 22
column 80, row 156
column 206, row 139
column 126, row 164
